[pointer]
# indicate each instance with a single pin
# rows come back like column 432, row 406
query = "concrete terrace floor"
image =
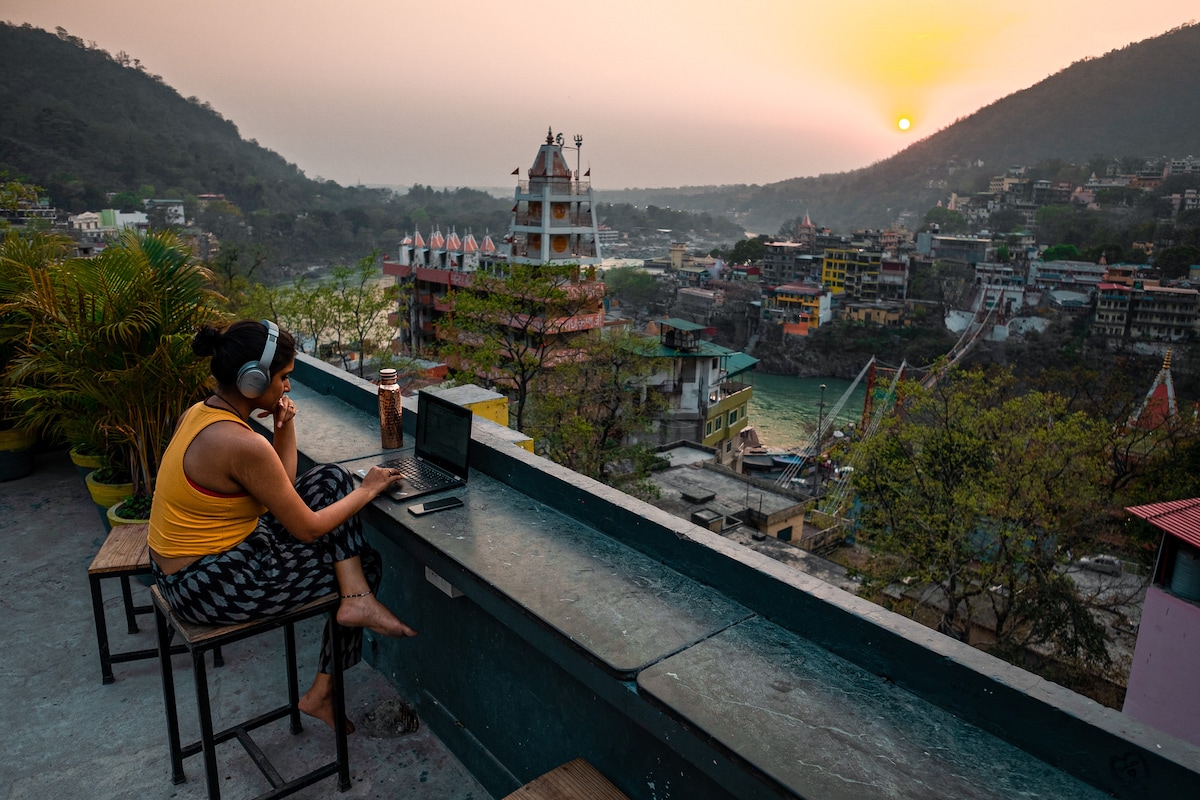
column 69, row 736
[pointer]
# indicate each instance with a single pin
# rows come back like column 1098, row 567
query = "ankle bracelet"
column 360, row 594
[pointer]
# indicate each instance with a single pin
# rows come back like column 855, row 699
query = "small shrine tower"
column 553, row 219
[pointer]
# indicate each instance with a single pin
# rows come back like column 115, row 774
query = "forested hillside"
column 96, row 130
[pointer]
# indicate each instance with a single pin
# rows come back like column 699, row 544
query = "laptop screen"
column 443, row 433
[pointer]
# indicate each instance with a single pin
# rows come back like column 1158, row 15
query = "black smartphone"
column 442, row 504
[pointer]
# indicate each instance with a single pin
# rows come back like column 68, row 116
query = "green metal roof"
column 739, row 363
column 680, row 324
column 709, row 350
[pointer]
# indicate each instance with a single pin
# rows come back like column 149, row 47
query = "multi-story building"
column 799, row 307
column 852, row 271
column 893, row 279
column 1147, row 311
column 552, row 223
column 788, row 262
column 963, row 249
column 1075, row 275
column 704, row 402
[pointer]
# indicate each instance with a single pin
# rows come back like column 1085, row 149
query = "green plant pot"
column 106, row 495
column 16, row 454
column 85, row 463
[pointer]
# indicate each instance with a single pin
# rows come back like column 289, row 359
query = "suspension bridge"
column 878, row 403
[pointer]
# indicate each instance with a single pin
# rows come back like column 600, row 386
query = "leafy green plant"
column 135, row 507
column 23, row 258
column 106, row 357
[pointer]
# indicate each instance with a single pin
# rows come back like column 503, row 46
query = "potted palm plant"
column 111, row 350
column 23, row 257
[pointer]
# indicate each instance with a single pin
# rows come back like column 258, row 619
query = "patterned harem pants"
column 271, row 571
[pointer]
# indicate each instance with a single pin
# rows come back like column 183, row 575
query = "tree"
column 363, row 301
column 1005, row 220
column 948, row 221
column 14, row 194
column 978, row 493
column 1175, row 262
column 233, row 270
column 1061, row 252
column 311, row 309
column 747, row 251
column 591, row 408
column 635, row 288
column 505, row 328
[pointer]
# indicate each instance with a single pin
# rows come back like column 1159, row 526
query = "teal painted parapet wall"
column 513, row 699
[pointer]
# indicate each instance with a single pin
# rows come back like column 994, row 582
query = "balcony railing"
column 563, row 187
column 569, row 221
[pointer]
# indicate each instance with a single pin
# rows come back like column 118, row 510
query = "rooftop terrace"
column 561, row 618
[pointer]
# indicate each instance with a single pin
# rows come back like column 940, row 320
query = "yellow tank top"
column 187, row 520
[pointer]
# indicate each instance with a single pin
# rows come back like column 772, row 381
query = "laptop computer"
column 441, row 450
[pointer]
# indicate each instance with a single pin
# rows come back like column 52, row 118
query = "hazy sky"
column 664, row 92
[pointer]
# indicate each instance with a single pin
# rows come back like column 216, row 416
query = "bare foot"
column 319, row 704
column 367, row 612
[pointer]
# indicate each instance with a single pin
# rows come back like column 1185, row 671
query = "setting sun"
column 903, row 123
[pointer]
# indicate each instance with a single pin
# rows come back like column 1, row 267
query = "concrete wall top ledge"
column 1067, row 730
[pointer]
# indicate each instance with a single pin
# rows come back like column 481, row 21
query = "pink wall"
column 1164, row 681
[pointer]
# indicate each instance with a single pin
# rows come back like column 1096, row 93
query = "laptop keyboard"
column 420, row 475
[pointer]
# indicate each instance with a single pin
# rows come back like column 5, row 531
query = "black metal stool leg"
column 339, row 701
column 289, row 640
column 127, row 597
column 106, row 673
column 168, row 682
column 207, row 738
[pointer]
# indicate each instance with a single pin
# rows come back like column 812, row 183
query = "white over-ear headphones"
column 255, row 376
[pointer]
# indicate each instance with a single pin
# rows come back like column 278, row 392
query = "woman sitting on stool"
column 235, row 536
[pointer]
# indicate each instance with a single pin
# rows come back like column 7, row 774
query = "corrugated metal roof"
column 739, row 363
column 1180, row 518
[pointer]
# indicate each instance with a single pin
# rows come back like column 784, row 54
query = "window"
column 733, row 416
column 785, row 534
column 718, row 422
column 708, row 428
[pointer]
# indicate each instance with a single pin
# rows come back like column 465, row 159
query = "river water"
column 785, row 409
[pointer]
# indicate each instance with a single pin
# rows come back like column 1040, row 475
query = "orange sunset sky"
column 664, row 92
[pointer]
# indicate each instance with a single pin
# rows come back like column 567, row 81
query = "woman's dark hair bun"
column 207, row 340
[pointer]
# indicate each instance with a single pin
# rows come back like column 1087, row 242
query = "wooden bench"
column 575, row 780
column 124, row 554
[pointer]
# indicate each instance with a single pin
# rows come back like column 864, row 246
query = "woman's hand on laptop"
column 380, row 479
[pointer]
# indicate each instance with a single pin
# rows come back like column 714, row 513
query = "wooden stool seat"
column 124, row 554
column 196, row 640
column 575, row 780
